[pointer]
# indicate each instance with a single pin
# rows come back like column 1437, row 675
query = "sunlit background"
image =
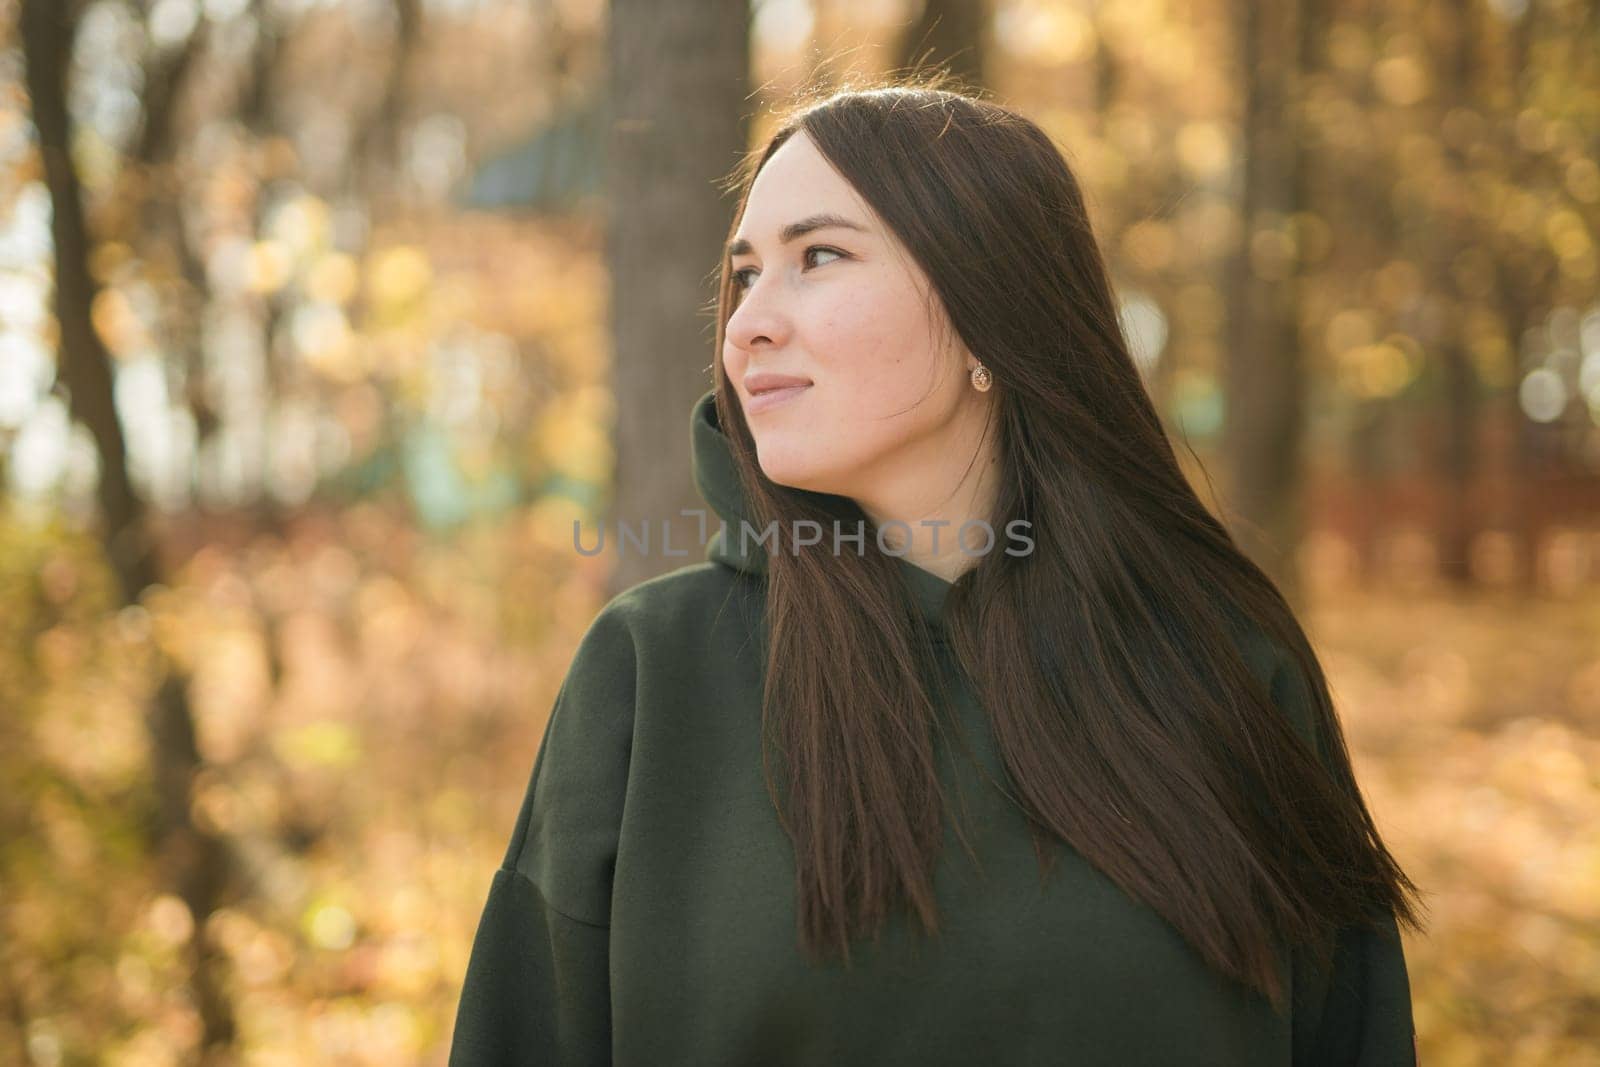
column 350, row 309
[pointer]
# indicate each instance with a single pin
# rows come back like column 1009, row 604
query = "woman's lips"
column 771, row 398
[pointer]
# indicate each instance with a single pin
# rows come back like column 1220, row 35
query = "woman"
column 1068, row 791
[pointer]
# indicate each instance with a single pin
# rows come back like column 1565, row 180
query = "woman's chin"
column 794, row 467
column 788, row 477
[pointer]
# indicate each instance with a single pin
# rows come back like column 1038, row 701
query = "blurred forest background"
column 322, row 320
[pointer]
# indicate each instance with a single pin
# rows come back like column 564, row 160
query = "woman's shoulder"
column 1278, row 671
column 673, row 611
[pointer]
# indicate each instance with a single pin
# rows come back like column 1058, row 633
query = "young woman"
column 1069, row 790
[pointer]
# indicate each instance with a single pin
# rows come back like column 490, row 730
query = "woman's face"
column 881, row 409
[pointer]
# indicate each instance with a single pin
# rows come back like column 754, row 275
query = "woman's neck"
column 933, row 499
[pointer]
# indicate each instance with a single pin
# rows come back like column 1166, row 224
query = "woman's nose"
column 756, row 320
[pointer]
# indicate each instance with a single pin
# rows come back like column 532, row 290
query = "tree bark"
column 1264, row 377
column 679, row 78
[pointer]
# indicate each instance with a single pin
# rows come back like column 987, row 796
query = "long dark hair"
column 1107, row 658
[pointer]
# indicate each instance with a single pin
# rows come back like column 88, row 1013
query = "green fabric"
column 644, row 911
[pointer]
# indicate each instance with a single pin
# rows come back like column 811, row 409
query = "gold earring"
column 981, row 378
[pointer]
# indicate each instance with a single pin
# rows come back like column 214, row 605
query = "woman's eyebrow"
column 821, row 221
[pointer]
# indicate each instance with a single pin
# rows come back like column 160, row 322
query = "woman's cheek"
column 732, row 362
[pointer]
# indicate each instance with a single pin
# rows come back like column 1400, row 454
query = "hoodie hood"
column 716, row 475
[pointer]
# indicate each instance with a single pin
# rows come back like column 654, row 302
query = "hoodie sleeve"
column 1357, row 1013
column 537, row 988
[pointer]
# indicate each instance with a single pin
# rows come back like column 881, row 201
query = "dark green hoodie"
column 644, row 912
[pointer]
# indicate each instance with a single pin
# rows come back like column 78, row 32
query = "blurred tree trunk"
column 1457, row 36
column 192, row 861
column 1107, row 66
column 261, row 95
column 163, row 235
column 1527, row 280
column 377, row 160
column 952, row 34
column 1264, row 377
column 678, row 82
column 1365, row 196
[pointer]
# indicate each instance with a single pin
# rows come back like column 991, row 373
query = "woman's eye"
column 822, row 248
column 741, row 277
